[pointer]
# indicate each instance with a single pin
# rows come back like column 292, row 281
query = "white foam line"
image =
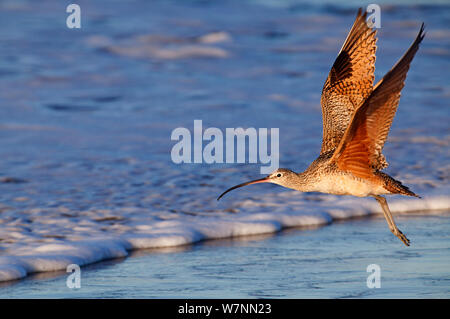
column 53, row 257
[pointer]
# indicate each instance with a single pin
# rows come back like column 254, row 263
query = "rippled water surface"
column 297, row 263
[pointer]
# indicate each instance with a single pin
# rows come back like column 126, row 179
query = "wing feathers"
column 359, row 150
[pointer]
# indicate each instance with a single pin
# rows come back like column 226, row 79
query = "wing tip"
column 359, row 12
column 422, row 33
column 360, row 15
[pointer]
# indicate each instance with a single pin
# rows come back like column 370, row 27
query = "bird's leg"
column 390, row 220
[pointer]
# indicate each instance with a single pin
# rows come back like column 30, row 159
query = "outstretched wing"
column 349, row 82
column 360, row 148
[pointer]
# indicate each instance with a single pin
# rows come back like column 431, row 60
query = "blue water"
column 86, row 114
column 79, row 122
column 297, row 263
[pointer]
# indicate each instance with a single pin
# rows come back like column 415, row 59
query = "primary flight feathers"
column 357, row 116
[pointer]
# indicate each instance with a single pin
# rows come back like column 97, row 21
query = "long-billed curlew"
column 357, row 117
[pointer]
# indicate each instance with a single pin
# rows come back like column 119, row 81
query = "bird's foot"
column 401, row 236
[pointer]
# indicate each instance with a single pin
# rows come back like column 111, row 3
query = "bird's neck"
column 301, row 182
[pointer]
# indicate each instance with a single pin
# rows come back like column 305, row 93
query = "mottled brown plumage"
column 349, row 82
column 357, row 117
column 360, row 148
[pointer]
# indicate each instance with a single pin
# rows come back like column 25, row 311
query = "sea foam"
column 22, row 260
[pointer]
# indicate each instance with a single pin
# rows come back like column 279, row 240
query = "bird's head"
column 281, row 176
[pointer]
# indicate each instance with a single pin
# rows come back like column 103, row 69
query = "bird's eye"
column 278, row 175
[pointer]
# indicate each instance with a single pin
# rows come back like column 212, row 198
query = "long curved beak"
column 256, row 181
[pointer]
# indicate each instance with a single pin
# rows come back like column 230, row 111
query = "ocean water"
column 86, row 119
column 317, row 262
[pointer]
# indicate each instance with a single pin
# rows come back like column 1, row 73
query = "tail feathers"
column 395, row 186
column 404, row 190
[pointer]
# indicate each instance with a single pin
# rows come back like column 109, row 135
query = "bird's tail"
column 395, row 186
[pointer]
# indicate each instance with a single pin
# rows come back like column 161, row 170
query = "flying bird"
column 357, row 116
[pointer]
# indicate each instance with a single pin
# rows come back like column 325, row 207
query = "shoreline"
column 56, row 257
column 323, row 262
